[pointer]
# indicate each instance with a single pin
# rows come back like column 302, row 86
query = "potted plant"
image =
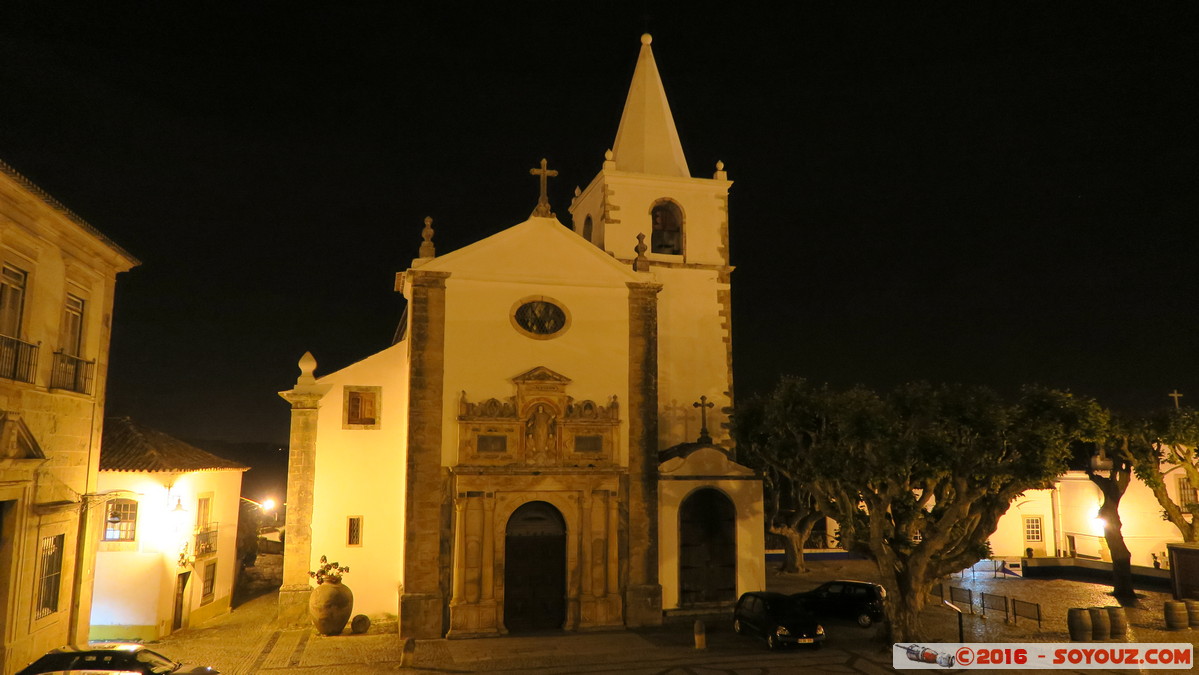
column 331, row 602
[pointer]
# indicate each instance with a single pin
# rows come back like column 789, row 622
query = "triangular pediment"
column 698, row 459
column 538, row 251
column 16, row 441
column 541, row 374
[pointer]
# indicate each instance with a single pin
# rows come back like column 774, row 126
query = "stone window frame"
column 351, row 531
column 1034, row 529
column 662, row 201
column 124, row 533
column 540, row 298
column 347, row 390
column 208, row 583
column 50, row 592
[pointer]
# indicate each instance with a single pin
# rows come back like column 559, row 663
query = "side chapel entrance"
column 707, row 548
column 535, row 569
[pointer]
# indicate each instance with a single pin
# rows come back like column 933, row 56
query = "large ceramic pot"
column 330, row 606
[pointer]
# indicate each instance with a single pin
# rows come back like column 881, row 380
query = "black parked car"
column 861, row 601
column 778, row 618
column 113, row 657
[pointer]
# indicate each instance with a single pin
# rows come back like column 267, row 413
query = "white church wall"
column 692, row 355
column 631, row 198
column 360, row 472
column 483, row 351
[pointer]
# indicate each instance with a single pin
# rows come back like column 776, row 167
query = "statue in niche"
column 539, row 430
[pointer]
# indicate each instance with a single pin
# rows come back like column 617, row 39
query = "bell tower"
column 645, row 188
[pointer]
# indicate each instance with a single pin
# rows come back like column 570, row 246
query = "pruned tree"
column 781, row 435
column 921, row 476
column 1165, row 448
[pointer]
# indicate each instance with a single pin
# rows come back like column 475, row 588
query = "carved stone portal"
column 540, row 426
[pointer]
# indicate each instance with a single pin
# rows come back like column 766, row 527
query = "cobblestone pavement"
column 247, row 641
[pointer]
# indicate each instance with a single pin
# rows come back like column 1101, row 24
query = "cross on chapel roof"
column 543, row 202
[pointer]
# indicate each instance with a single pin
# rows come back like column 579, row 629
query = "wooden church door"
column 535, row 569
column 707, row 548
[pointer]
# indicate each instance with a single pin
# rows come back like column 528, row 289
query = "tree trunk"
column 793, row 541
column 906, row 598
column 1113, row 486
column 1121, row 557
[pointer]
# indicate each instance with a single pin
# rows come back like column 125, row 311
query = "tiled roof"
column 127, row 446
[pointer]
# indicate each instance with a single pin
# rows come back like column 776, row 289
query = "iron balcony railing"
column 18, row 360
column 206, row 540
column 72, row 373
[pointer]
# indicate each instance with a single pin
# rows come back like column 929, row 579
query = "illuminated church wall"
column 360, row 470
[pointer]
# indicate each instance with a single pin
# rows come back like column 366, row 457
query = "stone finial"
column 646, row 38
column 720, row 174
column 578, row 191
column 307, row 368
column 609, row 159
column 426, row 246
column 640, row 263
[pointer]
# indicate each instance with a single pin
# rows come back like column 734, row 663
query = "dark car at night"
column 777, row 618
column 113, row 657
column 860, row 601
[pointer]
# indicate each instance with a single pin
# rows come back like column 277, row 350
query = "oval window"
column 540, row 318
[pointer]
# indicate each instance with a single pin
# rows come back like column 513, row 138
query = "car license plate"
column 804, row 641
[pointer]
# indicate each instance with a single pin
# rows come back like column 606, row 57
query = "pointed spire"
column 647, row 140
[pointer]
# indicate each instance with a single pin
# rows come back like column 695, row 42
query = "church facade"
column 545, row 443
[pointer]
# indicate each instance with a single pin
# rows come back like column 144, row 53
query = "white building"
column 1064, row 521
column 167, row 554
column 57, row 282
column 544, row 444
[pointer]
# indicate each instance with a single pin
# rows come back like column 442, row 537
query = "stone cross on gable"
column 703, row 406
column 543, row 202
column 1175, row 395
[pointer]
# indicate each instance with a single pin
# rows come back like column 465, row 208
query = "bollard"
column 1176, row 615
column 1119, row 620
column 1192, row 612
column 1101, row 628
column 701, row 635
column 1078, row 619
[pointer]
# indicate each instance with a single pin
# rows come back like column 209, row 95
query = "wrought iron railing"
column 72, row 373
column 18, row 360
column 206, row 540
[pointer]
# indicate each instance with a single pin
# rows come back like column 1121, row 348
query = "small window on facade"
column 50, row 575
column 1032, row 529
column 588, row 229
column 589, row 443
column 208, row 589
column 668, row 229
column 71, row 338
column 12, row 300
column 121, row 520
column 361, row 407
column 354, row 531
column 492, row 443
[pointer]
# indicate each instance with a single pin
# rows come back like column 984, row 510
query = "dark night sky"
column 991, row 193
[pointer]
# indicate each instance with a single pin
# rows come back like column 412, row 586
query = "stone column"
column 459, row 550
column 586, row 563
column 488, row 564
column 301, row 478
column 426, row 523
column 643, row 594
column 612, row 542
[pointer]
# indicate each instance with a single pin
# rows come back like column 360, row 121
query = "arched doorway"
column 535, row 569
column 707, row 548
